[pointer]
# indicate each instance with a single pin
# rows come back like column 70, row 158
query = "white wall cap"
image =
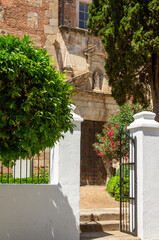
column 76, row 117
column 144, row 119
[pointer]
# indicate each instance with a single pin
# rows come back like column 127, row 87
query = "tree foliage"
column 34, row 100
column 130, row 33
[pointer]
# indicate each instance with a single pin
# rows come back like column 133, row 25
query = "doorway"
column 92, row 168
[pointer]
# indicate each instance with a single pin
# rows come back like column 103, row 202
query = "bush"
column 126, row 171
column 29, row 180
column 34, row 100
column 113, row 187
column 108, row 142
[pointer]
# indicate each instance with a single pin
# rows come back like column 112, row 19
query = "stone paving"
column 96, row 202
column 113, row 235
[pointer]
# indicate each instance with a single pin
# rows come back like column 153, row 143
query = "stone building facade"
column 55, row 26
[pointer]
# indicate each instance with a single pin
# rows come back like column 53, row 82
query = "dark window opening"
column 83, row 15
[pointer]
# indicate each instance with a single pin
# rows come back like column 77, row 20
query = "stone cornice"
column 88, row 92
column 64, row 28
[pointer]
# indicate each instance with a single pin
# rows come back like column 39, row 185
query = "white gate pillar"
column 65, row 170
column 146, row 130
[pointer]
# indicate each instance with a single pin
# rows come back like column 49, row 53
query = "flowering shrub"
column 42, row 171
column 108, row 142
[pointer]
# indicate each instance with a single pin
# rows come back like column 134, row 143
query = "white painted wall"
column 146, row 129
column 34, row 212
column 46, row 212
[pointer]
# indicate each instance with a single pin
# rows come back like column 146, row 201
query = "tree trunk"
column 155, row 84
column 110, row 171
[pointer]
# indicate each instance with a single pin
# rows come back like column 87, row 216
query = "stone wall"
column 74, row 50
column 94, row 106
column 37, row 18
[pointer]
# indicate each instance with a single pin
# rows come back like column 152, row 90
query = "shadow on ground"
column 93, row 235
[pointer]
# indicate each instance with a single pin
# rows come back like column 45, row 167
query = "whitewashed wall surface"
column 51, row 212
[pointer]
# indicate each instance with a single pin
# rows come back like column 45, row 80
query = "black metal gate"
column 128, row 185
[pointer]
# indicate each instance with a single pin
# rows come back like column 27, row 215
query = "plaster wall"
column 69, row 169
column 46, row 211
column 36, row 212
column 146, row 131
column 150, row 184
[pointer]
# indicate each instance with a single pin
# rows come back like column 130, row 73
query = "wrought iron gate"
column 128, row 205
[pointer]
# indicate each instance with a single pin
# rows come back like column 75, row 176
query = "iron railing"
column 28, row 171
column 128, row 184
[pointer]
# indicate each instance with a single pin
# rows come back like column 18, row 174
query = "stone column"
column 65, row 169
column 146, row 130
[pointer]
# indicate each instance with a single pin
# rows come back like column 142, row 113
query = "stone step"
column 100, row 214
column 114, row 235
column 99, row 226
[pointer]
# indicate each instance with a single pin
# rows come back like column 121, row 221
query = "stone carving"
column 97, row 80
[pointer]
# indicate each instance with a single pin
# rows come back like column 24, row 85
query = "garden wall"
column 50, row 212
column 36, row 212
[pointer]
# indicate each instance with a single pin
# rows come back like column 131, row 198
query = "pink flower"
column 116, row 116
column 132, row 98
column 127, row 100
column 110, row 134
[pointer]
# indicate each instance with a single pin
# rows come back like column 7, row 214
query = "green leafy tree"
column 34, row 100
column 130, row 34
